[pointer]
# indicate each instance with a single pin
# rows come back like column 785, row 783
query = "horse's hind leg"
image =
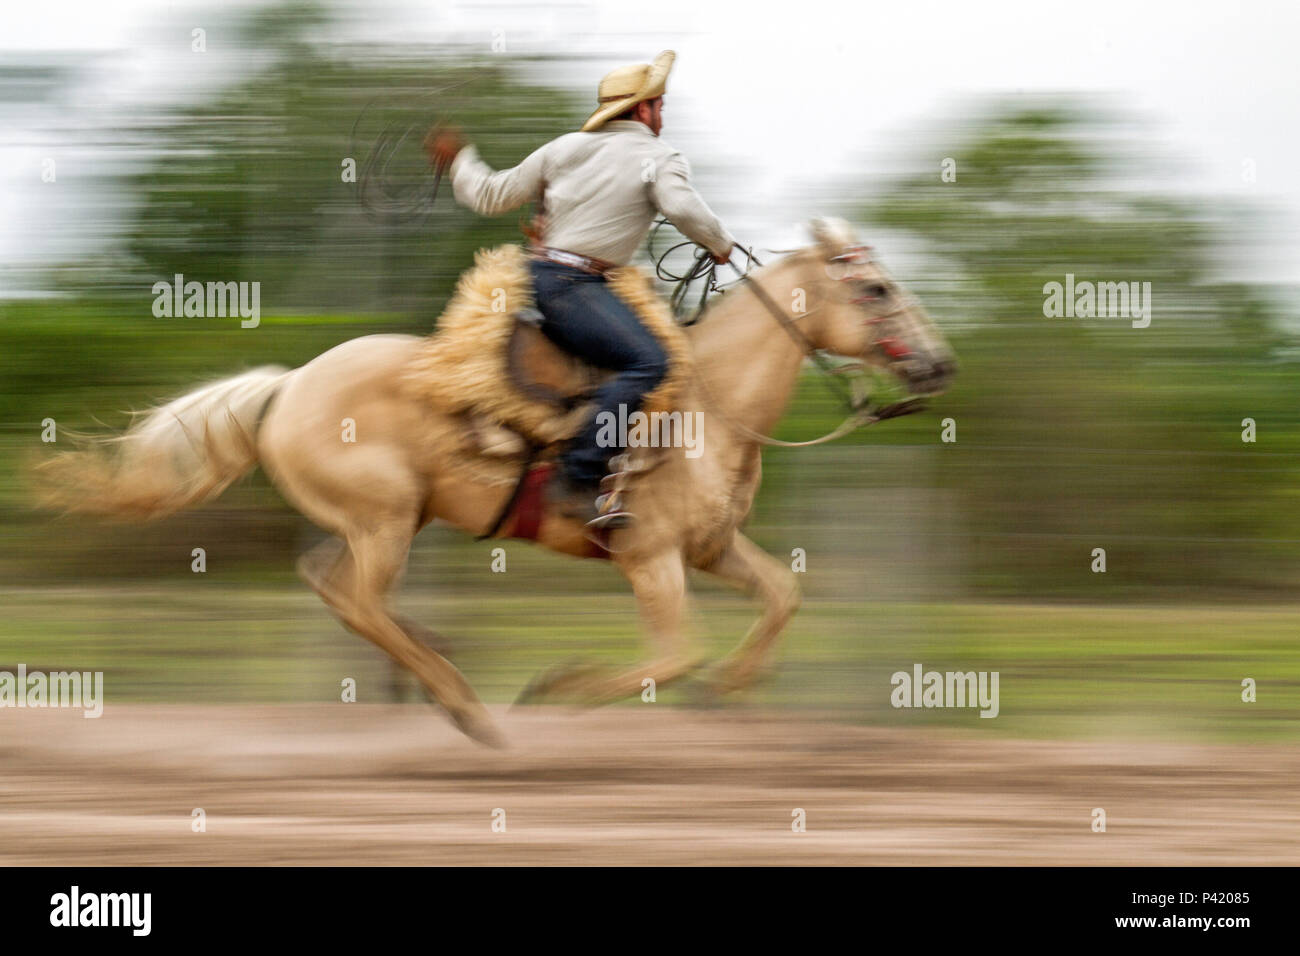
column 747, row 566
column 317, row 566
column 356, row 587
column 320, row 564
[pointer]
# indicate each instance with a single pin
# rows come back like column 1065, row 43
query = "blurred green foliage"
column 1075, row 434
column 260, row 180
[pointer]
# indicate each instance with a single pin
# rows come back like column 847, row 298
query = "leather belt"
column 573, row 260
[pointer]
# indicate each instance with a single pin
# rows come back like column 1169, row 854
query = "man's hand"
column 442, row 144
column 723, row 259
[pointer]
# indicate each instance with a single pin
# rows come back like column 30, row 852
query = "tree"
column 1079, row 432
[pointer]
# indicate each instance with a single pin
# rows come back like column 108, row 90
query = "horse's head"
column 857, row 310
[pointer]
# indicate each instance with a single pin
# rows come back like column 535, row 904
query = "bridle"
column 860, row 411
column 888, row 344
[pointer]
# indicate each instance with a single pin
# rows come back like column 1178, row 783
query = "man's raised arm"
column 476, row 184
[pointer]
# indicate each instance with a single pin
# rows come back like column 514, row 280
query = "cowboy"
column 598, row 191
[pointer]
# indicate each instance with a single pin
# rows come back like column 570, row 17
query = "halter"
column 889, row 345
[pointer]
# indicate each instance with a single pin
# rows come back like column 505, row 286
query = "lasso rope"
column 382, row 194
column 703, row 267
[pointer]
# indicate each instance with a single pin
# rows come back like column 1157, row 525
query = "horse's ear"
column 832, row 235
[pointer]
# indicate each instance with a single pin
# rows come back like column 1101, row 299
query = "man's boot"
column 584, row 502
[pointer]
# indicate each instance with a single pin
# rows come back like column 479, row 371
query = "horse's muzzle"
column 931, row 378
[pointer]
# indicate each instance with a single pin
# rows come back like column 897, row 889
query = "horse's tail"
column 171, row 457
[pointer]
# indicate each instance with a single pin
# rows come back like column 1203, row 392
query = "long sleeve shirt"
column 602, row 191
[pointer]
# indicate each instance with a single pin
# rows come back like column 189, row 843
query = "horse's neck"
column 748, row 363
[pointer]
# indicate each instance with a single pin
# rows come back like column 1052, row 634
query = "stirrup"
column 614, row 521
column 610, row 515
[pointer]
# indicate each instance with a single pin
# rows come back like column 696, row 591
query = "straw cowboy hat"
column 627, row 86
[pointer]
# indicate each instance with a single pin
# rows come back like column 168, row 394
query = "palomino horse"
column 376, row 493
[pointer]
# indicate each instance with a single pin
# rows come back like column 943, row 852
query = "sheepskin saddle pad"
column 489, row 362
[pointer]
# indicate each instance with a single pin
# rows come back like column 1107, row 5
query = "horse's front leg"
column 659, row 583
column 750, row 568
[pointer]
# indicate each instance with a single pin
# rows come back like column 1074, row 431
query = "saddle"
column 542, row 371
column 516, row 392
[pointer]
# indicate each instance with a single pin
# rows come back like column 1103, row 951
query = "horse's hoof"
column 703, row 694
column 479, row 727
column 721, row 681
column 548, row 682
column 536, row 689
column 531, row 692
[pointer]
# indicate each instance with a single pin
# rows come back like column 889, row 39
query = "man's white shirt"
column 602, row 189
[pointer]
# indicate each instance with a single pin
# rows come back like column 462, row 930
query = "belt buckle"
column 573, row 259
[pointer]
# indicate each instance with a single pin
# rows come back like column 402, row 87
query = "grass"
column 1065, row 671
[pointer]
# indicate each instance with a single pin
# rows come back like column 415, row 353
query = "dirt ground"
column 359, row 784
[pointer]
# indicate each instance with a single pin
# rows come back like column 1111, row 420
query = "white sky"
column 790, row 92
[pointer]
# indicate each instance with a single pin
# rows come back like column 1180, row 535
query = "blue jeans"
column 584, row 318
